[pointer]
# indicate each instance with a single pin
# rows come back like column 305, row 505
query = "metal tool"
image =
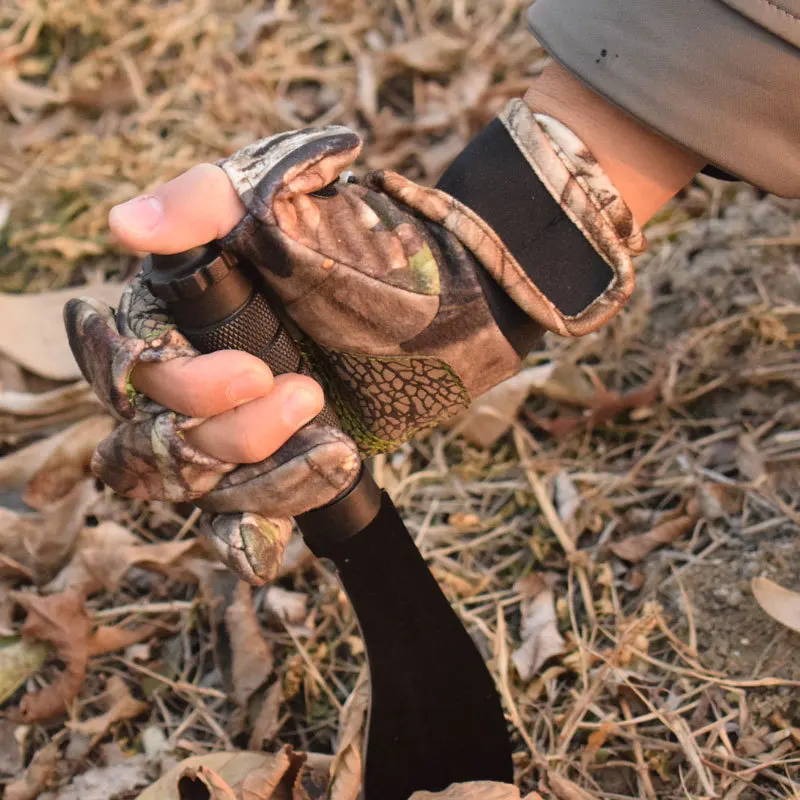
column 435, row 716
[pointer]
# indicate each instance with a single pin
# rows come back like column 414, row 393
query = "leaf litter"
column 672, row 680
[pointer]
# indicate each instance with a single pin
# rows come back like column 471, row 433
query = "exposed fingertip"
column 138, row 217
column 302, row 405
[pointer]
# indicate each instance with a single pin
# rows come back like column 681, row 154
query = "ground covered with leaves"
column 617, row 526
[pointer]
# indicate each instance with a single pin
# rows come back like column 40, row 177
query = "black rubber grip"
column 255, row 328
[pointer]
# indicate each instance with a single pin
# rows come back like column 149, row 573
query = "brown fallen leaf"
column 564, row 789
column 11, row 752
column 19, row 466
column 68, row 463
column 32, row 331
column 108, row 639
column 347, row 765
column 252, row 658
column 749, row 460
column 21, row 97
column 540, row 637
column 432, row 53
column 635, row 548
column 120, row 705
column 116, row 780
column 224, row 776
column 476, row 790
column 105, row 553
column 267, row 723
column 50, row 403
column 285, row 605
column 40, row 772
column 19, row 659
column 62, row 621
column 41, row 542
column 716, row 500
column 603, row 407
column 781, row 604
column 494, row 412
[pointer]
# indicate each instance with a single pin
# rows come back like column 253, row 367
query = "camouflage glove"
column 148, row 457
column 385, row 278
column 393, row 287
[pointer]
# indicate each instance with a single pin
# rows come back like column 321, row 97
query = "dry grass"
column 103, row 99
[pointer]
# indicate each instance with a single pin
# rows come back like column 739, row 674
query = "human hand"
column 219, row 429
column 249, row 412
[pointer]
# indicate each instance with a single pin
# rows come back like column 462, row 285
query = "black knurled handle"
column 256, row 329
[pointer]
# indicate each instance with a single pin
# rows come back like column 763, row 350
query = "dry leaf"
column 19, row 466
column 564, row 789
column 39, row 131
column 106, row 783
column 296, row 556
column 62, row 621
column 267, row 724
column 41, row 771
column 252, row 658
column 635, row 548
column 475, row 790
column 432, row 53
column 5, row 212
column 749, row 460
column 108, row 639
column 347, row 765
column 540, row 637
column 45, row 404
column 68, row 462
column 494, row 412
column 11, row 755
column 716, row 500
column 567, row 496
column 603, row 406
column 285, row 605
column 105, row 553
column 781, row 604
column 120, row 704
column 21, row 97
column 38, row 544
column 221, row 776
column 18, row 660
column 32, row 331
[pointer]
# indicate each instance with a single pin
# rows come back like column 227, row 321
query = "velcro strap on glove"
column 547, row 223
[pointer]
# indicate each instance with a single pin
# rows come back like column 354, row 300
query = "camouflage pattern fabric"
column 148, row 457
column 381, row 277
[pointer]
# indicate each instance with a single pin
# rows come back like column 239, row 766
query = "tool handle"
column 217, row 305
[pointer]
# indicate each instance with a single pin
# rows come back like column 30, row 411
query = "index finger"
column 205, row 385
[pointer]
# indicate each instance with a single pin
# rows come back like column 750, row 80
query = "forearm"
column 647, row 169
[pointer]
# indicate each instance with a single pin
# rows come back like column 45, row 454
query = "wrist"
column 647, row 169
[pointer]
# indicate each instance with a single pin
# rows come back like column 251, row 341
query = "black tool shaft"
column 435, row 717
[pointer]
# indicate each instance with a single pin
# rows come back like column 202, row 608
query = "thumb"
column 196, row 207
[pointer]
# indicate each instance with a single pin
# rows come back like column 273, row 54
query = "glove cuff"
column 533, row 205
